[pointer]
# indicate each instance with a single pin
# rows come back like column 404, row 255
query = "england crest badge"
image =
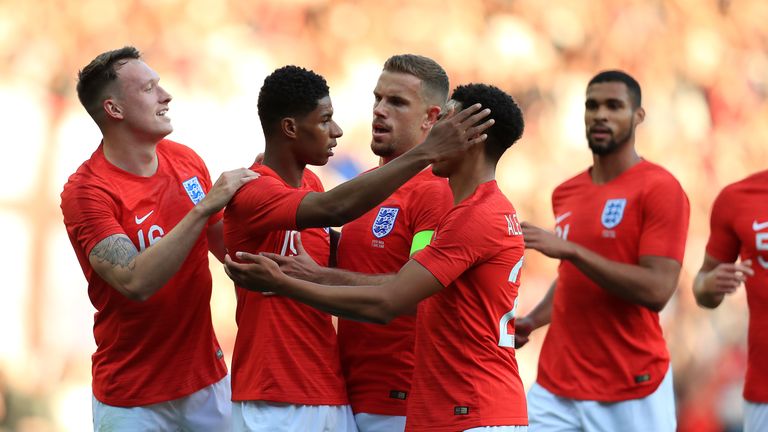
column 613, row 212
column 194, row 190
column 385, row 221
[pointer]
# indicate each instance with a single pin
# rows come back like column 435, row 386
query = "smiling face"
column 316, row 133
column 400, row 114
column 609, row 117
column 140, row 102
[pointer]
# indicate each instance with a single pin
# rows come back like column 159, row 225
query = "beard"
column 382, row 149
column 613, row 144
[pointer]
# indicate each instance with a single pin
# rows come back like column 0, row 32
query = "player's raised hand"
column 545, row 241
column 300, row 266
column 254, row 272
column 727, row 277
column 455, row 132
column 225, row 187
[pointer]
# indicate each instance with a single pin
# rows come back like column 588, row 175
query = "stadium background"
column 703, row 66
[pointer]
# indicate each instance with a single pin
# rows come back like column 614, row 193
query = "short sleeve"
column 666, row 212
column 461, row 240
column 266, row 204
column 724, row 243
column 90, row 216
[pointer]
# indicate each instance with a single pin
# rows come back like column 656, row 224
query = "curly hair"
column 94, row 80
column 290, row 91
column 509, row 124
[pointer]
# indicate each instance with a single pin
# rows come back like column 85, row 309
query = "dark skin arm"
column 650, row 283
column 374, row 303
column 453, row 134
column 716, row 279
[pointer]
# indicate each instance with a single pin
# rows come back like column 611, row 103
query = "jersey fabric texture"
column 739, row 228
column 285, row 351
column 599, row 346
column 163, row 348
column 466, row 374
column 377, row 360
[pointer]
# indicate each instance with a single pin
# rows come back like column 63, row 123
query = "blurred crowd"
column 702, row 64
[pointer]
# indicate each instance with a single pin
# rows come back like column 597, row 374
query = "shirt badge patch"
column 194, row 190
column 613, row 212
column 385, row 221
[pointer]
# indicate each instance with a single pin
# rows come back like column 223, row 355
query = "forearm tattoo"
column 117, row 250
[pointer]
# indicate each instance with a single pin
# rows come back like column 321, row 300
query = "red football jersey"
column 163, row 348
column 739, row 228
column 466, row 374
column 377, row 360
column 285, row 351
column 599, row 346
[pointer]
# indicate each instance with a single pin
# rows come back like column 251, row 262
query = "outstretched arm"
column 302, row 266
column 650, row 283
column 373, row 303
column 449, row 136
column 540, row 316
column 715, row 279
column 138, row 275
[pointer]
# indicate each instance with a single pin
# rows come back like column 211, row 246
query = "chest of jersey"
column 606, row 219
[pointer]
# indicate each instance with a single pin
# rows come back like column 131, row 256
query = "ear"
column 639, row 115
column 433, row 115
column 289, row 127
column 112, row 109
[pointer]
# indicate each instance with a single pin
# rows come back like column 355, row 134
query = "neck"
column 470, row 175
column 133, row 155
column 607, row 167
column 284, row 164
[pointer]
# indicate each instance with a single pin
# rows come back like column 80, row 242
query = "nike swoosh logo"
column 759, row 226
column 560, row 218
column 140, row 220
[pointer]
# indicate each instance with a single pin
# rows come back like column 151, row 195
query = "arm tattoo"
column 117, row 250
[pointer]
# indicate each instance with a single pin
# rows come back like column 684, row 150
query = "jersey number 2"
column 505, row 339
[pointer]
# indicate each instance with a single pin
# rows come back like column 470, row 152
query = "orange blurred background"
column 702, row 64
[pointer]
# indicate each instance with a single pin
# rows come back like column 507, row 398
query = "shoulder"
column 577, row 181
column 178, row 152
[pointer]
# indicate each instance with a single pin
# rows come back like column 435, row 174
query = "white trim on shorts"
column 755, row 416
column 548, row 412
column 367, row 422
column 208, row 409
column 263, row 416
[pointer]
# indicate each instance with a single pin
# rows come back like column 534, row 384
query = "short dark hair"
column 509, row 124
column 290, row 91
column 633, row 88
column 94, row 79
column 434, row 80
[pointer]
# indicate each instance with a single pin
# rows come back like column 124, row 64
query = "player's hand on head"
column 300, row 266
column 253, row 272
column 225, row 187
column 455, row 132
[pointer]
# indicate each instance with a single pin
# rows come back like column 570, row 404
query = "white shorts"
column 379, row 423
column 655, row 412
column 208, row 409
column 261, row 416
column 755, row 416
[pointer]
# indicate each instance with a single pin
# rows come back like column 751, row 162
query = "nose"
column 378, row 109
column 336, row 131
column 164, row 95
